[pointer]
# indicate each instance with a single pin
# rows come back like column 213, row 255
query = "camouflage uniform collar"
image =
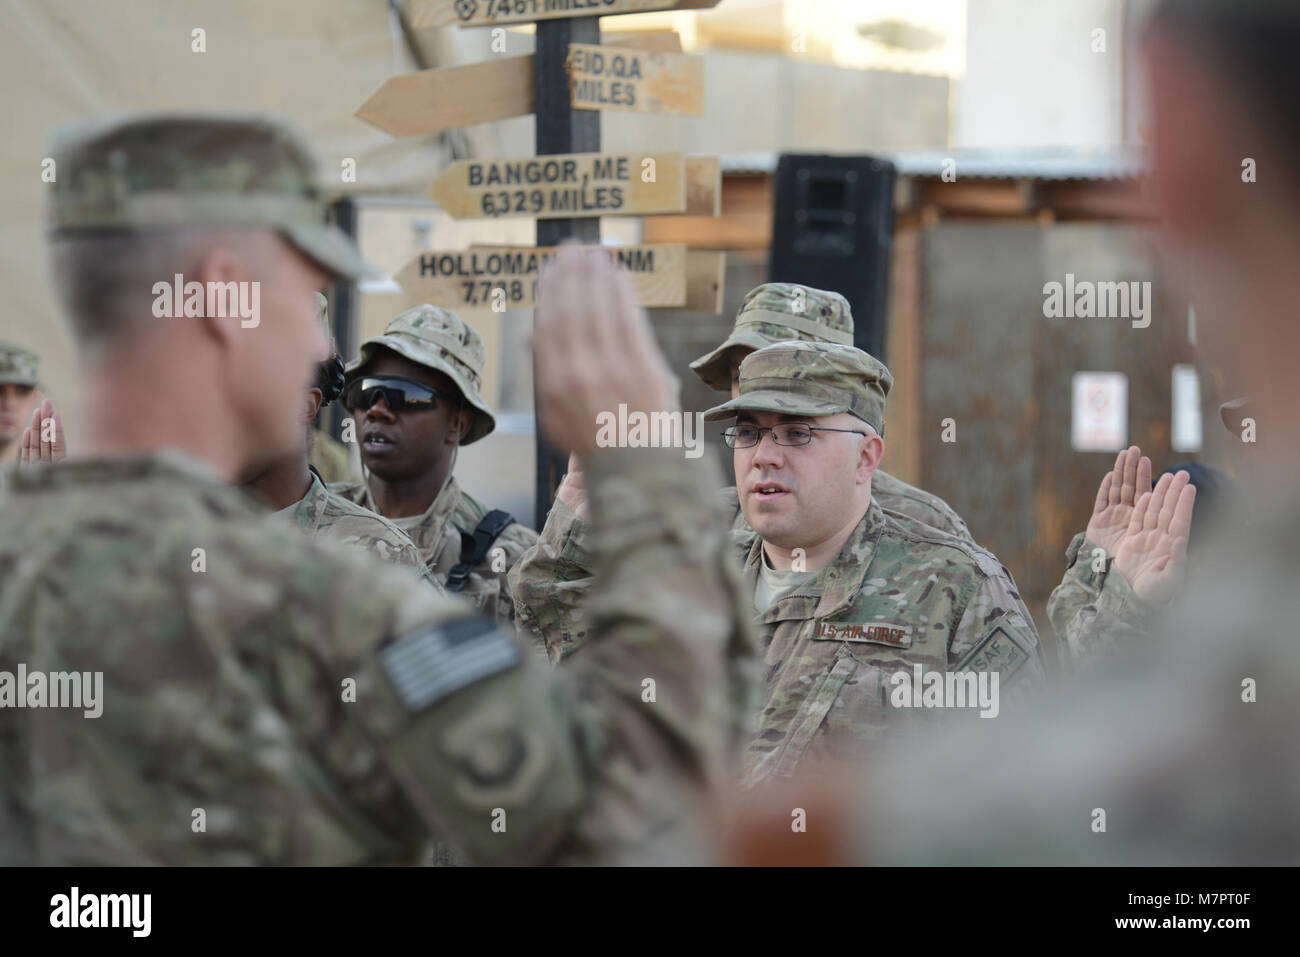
column 436, row 515
column 307, row 512
column 164, row 463
column 835, row 586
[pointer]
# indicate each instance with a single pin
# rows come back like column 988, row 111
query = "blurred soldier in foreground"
column 296, row 491
column 1183, row 750
column 551, row 579
column 20, row 396
column 253, row 696
column 415, row 395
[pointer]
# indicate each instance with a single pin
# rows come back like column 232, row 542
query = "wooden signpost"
column 637, row 81
column 570, row 183
column 505, row 277
column 640, row 76
column 486, row 13
column 564, row 186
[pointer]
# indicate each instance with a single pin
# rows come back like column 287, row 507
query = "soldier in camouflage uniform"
column 843, row 606
column 318, row 511
column 782, row 311
column 409, row 453
column 549, row 582
column 19, row 396
column 269, row 698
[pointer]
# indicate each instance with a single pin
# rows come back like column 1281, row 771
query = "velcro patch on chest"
column 432, row 664
column 869, row 632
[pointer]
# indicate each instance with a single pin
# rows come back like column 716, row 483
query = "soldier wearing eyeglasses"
column 414, row 392
column 552, row 580
column 847, row 595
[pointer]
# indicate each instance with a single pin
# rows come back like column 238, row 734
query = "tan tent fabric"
column 314, row 61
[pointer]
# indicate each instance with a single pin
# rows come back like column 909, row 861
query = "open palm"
column 1152, row 556
column 1117, row 497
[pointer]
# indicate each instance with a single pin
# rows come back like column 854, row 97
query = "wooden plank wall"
column 995, row 364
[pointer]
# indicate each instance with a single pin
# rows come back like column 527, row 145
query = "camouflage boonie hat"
column 18, row 366
column 812, row 379
column 172, row 170
column 441, row 340
column 778, row 312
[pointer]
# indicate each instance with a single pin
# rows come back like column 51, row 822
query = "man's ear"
column 219, row 264
column 460, row 425
column 871, row 449
column 312, row 404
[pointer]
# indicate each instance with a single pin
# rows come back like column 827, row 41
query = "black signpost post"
column 560, row 129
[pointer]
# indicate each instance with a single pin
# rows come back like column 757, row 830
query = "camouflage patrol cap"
column 779, row 312
column 441, row 340
column 18, row 366
column 158, row 171
column 812, row 379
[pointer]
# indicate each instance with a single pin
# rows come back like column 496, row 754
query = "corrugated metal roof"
column 984, row 164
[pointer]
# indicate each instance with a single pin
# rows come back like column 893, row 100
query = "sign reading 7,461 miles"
column 478, row 13
column 564, row 186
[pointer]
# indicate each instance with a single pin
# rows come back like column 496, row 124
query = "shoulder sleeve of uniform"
column 1085, row 576
column 1116, row 616
column 550, row 581
column 996, row 633
column 466, row 723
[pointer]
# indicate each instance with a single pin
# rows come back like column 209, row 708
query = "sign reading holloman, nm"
column 564, row 186
column 479, row 13
column 505, row 277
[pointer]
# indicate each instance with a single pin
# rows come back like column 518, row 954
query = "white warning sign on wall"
column 1100, row 419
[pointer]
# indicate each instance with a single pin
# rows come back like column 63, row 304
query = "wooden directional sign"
column 563, row 186
column 706, row 271
column 622, row 78
column 431, row 101
column 450, row 97
column 505, row 277
column 484, row 13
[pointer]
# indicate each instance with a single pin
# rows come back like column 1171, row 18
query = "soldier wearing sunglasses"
column 414, row 393
column 294, row 488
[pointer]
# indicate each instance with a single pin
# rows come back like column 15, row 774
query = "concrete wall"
column 1032, row 78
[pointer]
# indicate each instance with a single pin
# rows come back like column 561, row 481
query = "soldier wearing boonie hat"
column 846, row 593
column 297, row 491
column 415, row 393
column 19, row 396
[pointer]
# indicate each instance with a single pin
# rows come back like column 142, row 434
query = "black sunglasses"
column 399, row 394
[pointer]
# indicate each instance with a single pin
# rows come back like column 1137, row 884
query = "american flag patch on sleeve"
column 429, row 665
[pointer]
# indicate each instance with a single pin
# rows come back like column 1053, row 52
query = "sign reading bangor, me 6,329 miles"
column 564, row 185
column 481, row 13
